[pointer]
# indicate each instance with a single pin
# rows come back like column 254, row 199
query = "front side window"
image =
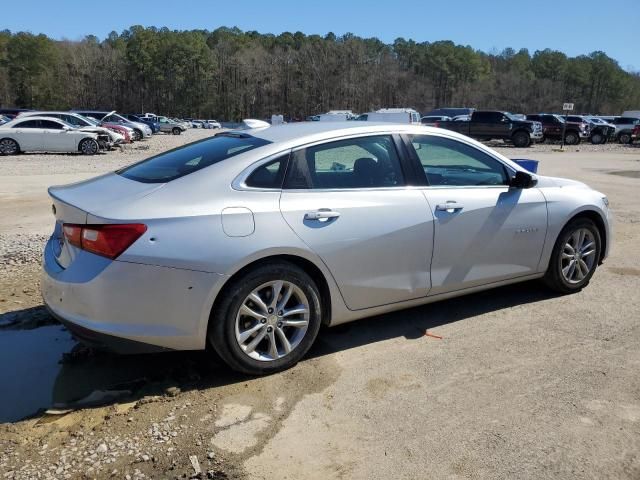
column 448, row 162
column 190, row 158
column 364, row 162
column 50, row 125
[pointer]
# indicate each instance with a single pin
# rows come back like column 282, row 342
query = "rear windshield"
column 182, row 161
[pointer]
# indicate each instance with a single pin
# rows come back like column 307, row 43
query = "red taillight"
column 106, row 240
column 73, row 234
column 436, row 124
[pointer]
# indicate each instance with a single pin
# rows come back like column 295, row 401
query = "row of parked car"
column 486, row 125
column 84, row 131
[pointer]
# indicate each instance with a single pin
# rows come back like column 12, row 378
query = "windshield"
column 91, row 120
column 192, row 157
column 118, row 117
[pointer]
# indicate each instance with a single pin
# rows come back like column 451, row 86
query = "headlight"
column 605, row 200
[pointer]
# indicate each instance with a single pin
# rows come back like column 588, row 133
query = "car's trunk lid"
column 74, row 203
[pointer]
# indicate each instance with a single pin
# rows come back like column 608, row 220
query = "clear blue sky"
column 573, row 26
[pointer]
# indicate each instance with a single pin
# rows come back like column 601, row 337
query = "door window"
column 364, row 162
column 448, row 162
column 28, row 124
column 50, row 125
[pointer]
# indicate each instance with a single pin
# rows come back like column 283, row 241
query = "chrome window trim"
column 239, row 184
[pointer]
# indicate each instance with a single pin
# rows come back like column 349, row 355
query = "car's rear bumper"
column 103, row 341
column 129, row 306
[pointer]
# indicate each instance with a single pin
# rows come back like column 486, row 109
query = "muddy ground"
column 522, row 384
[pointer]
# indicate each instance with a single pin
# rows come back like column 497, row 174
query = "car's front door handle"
column 321, row 214
column 450, row 206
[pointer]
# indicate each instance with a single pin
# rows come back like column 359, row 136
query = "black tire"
column 571, row 138
column 176, row 131
column 624, row 138
column 554, row 277
column 521, row 139
column 137, row 135
column 88, row 146
column 222, row 323
column 597, row 138
column 8, row 146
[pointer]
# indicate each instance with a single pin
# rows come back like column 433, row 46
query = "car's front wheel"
column 572, row 138
column 624, row 138
column 89, row 146
column 9, row 146
column 575, row 257
column 597, row 139
column 521, row 139
column 176, row 131
column 267, row 319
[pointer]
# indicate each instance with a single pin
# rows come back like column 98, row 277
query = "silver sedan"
column 249, row 241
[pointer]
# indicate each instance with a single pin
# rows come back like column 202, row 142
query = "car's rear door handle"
column 321, row 214
column 450, row 206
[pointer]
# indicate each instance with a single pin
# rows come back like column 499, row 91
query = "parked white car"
column 45, row 134
column 106, row 138
column 211, row 124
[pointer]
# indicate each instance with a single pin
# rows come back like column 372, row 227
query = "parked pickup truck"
column 489, row 125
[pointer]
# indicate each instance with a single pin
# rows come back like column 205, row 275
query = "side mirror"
column 523, row 180
column 66, row 128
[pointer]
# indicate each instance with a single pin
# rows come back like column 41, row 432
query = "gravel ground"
column 522, row 384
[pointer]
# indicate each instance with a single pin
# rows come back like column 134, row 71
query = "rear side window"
column 182, row 161
column 269, row 175
column 364, row 162
column 28, row 124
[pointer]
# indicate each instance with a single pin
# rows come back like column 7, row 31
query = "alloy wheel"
column 8, row 147
column 272, row 320
column 578, row 256
column 89, row 147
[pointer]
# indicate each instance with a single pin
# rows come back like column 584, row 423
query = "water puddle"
column 626, row 173
column 29, row 361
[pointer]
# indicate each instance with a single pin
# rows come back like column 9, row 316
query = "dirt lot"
column 523, row 384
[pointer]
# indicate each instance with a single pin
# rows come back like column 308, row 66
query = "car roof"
column 45, row 113
column 33, row 117
column 302, row 130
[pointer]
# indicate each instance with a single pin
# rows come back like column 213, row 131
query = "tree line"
column 231, row 74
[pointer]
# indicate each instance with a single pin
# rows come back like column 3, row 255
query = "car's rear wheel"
column 89, row 146
column 267, row 319
column 176, row 131
column 575, row 257
column 521, row 139
column 8, row 146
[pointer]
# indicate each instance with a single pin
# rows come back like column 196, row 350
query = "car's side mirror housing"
column 523, row 180
column 66, row 128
